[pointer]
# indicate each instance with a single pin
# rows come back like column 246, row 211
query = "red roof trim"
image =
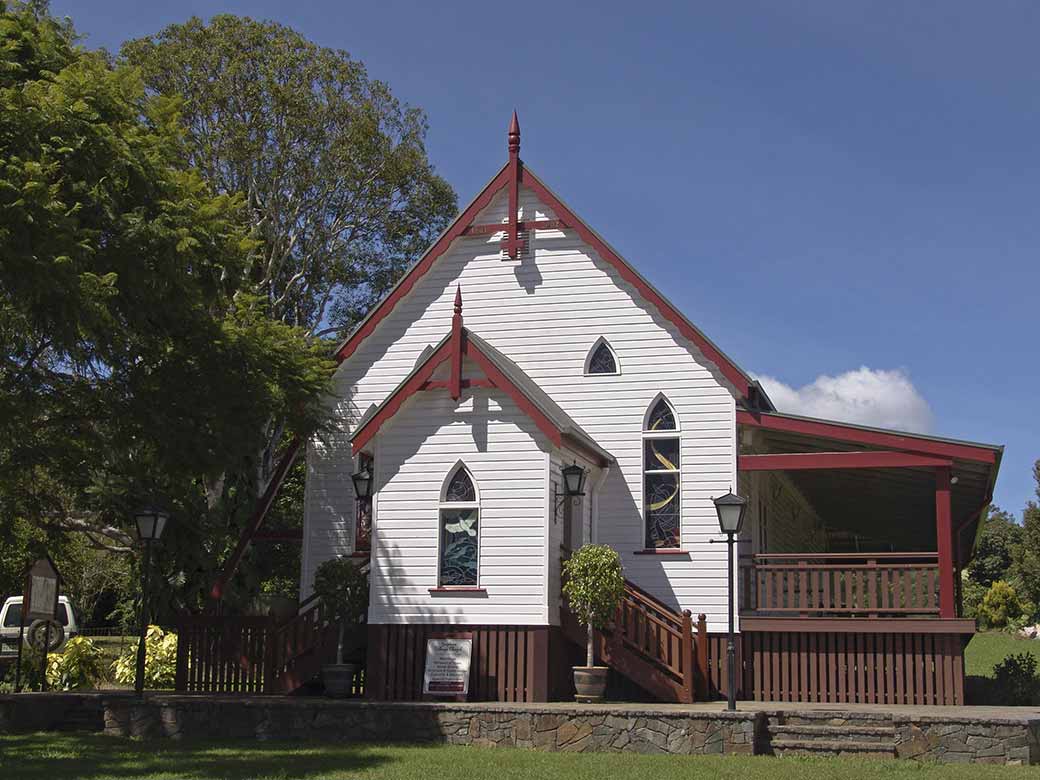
column 419, row 379
column 545, row 425
column 572, row 221
column 417, row 271
column 710, row 351
column 400, row 395
column 849, row 433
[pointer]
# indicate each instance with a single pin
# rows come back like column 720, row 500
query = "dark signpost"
column 39, row 603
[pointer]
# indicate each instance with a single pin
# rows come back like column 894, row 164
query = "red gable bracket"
column 454, row 348
column 512, row 172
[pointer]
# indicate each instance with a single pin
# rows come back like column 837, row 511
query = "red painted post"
column 689, row 676
column 512, row 234
column 455, row 380
column 944, row 542
column 702, row 656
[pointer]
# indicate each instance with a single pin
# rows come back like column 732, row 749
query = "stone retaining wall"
column 629, row 729
column 607, row 728
column 962, row 740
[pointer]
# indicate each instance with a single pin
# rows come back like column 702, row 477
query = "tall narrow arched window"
column 459, row 531
column 601, row 359
column 661, row 476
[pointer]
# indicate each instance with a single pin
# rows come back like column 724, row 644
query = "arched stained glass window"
column 460, row 488
column 459, row 531
column 661, row 417
column 601, row 359
column 661, row 477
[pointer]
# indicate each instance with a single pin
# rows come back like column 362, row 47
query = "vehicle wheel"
column 37, row 635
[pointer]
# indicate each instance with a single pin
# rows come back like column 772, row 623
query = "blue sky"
column 844, row 196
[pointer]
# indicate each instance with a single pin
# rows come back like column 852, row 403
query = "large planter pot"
column 590, row 682
column 338, row 679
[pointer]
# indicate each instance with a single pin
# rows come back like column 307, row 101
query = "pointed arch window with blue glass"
column 661, row 476
column 459, row 531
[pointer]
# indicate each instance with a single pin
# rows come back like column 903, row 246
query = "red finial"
column 458, row 299
column 514, row 135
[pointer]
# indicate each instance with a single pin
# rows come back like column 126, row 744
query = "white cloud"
column 865, row 396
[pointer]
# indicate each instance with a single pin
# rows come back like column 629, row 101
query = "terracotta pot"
column 590, row 682
column 338, row 679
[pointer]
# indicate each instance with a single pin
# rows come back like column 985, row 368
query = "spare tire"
column 37, row 635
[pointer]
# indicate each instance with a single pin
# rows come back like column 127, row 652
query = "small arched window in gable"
column 662, row 499
column 459, row 532
column 601, row 359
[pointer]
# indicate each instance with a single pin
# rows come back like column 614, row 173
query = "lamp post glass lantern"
column 731, row 509
column 573, row 480
column 362, row 483
column 151, row 522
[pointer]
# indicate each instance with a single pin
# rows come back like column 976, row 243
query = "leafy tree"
column 134, row 363
column 337, row 183
column 1027, row 554
column 1001, row 534
column 339, row 194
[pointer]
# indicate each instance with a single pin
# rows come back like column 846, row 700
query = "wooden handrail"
column 843, row 556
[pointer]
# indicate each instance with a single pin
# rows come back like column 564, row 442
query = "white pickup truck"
column 10, row 617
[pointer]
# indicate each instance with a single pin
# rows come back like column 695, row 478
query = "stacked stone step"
column 818, row 733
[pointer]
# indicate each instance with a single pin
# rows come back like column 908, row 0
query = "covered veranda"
column 900, row 513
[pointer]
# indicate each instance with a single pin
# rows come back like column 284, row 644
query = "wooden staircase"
column 299, row 647
column 650, row 644
column 241, row 654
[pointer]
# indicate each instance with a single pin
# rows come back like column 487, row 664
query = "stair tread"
column 851, row 728
column 847, row 745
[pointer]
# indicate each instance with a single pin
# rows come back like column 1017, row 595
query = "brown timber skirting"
column 842, row 667
column 509, row 663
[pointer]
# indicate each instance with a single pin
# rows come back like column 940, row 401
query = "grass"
column 94, row 757
column 988, row 649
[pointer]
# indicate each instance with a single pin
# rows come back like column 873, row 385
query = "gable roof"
column 501, row 373
column 746, row 387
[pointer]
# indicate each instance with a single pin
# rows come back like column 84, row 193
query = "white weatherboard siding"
column 545, row 313
column 506, row 456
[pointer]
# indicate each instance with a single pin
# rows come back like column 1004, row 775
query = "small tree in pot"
column 343, row 590
column 594, row 586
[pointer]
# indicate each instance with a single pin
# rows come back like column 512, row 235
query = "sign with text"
column 447, row 667
column 42, row 591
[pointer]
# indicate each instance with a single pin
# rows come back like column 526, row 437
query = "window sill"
column 457, row 589
column 662, row 551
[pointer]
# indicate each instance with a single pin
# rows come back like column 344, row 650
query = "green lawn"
column 92, row 757
column 986, row 650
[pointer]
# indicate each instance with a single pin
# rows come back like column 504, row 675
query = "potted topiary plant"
column 343, row 589
column 594, row 586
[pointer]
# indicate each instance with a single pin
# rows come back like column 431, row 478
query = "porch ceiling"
column 891, row 507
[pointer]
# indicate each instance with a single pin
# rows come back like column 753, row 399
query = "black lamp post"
column 150, row 524
column 730, row 509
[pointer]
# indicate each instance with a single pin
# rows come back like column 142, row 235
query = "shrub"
column 31, row 663
column 342, row 588
column 972, row 594
column 79, row 665
column 594, row 586
column 1001, row 605
column 160, row 660
column 1015, row 680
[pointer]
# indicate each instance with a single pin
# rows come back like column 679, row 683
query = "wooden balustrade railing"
column 239, row 654
column 865, row 585
column 653, row 645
